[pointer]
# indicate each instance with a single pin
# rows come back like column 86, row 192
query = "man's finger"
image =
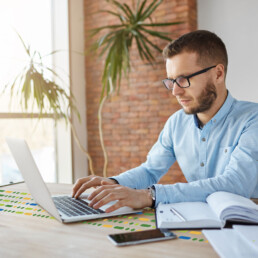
column 78, row 184
column 84, row 187
column 105, row 198
column 96, row 204
column 81, row 190
column 100, row 189
column 115, row 206
column 105, row 182
column 91, row 182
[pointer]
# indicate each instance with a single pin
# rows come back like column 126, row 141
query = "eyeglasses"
column 183, row 81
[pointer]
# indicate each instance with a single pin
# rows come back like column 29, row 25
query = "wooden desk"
column 27, row 236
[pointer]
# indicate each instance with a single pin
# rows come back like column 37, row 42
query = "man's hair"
column 209, row 47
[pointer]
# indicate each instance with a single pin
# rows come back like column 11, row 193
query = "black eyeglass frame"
column 186, row 77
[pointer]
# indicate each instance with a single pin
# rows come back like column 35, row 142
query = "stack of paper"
column 241, row 241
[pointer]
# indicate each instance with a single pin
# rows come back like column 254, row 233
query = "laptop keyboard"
column 74, row 207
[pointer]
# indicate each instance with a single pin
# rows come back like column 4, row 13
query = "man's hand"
column 84, row 183
column 125, row 196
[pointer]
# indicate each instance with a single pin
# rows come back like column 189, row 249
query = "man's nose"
column 177, row 90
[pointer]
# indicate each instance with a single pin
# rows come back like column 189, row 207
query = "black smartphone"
column 140, row 237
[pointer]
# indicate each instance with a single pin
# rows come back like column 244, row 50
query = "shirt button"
column 226, row 150
column 203, row 139
column 202, row 164
column 214, row 121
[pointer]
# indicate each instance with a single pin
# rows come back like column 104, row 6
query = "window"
column 44, row 25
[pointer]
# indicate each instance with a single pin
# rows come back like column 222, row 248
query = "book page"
column 194, row 210
column 191, row 214
column 219, row 201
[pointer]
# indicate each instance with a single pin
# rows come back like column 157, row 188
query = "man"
column 213, row 137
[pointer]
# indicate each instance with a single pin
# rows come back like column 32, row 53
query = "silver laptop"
column 63, row 207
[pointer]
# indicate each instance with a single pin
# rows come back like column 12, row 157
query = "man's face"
column 201, row 94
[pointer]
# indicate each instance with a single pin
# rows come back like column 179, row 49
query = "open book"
column 219, row 208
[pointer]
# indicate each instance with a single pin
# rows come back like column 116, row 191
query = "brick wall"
column 133, row 120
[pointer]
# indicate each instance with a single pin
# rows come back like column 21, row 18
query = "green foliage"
column 117, row 42
column 32, row 84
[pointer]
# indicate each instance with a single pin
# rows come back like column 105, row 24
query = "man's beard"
column 205, row 100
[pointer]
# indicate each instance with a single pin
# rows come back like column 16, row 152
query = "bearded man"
column 214, row 137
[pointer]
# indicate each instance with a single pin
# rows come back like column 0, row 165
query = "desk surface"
column 29, row 236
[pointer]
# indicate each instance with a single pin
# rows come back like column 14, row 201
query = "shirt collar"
column 220, row 114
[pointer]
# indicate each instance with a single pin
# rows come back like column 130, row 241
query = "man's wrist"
column 152, row 194
column 146, row 198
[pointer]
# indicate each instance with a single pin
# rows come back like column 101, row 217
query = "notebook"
column 219, row 208
column 63, row 207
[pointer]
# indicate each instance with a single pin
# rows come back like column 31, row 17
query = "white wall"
column 236, row 22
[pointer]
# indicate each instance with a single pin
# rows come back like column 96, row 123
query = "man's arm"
column 240, row 176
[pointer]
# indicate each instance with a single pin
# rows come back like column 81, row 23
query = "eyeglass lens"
column 181, row 82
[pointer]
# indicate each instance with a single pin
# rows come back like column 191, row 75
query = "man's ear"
column 220, row 73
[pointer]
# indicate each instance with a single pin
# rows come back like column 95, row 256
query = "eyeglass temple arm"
column 200, row 72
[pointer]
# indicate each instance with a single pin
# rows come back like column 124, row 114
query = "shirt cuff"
column 114, row 180
column 161, row 194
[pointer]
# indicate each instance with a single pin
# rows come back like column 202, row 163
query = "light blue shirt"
column 222, row 156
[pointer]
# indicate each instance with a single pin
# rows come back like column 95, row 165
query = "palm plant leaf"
column 26, row 89
column 139, row 47
column 122, row 8
column 107, row 38
column 120, row 16
column 97, row 30
column 27, row 49
column 54, row 52
column 139, row 12
column 146, row 10
column 131, row 14
column 149, row 42
column 107, row 43
column 156, row 33
column 149, row 10
column 160, row 24
column 148, row 52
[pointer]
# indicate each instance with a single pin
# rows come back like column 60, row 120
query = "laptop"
column 63, row 207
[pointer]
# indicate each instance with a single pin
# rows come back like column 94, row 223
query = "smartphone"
column 140, row 237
